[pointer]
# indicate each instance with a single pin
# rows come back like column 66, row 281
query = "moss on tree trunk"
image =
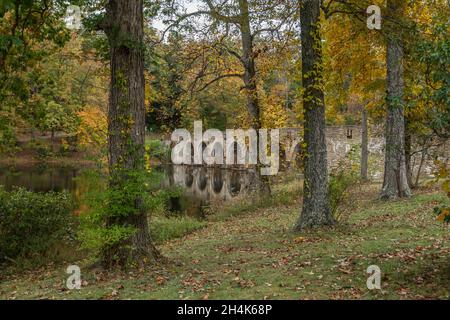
column 126, row 130
column 316, row 205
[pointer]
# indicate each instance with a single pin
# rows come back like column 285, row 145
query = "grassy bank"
column 247, row 250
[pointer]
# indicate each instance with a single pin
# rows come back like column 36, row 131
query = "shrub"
column 8, row 139
column 102, row 203
column 157, row 150
column 31, row 223
column 42, row 149
column 443, row 174
column 342, row 178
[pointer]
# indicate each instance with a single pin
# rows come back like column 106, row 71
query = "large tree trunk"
column 248, row 58
column 126, row 129
column 249, row 65
column 316, row 205
column 364, row 145
column 395, row 183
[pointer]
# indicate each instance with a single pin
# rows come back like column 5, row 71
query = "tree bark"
column 364, row 146
column 316, row 204
column 248, row 58
column 126, row 126
column 408, row 157
column 419, row 170
column 249, row 65
column 395, row 183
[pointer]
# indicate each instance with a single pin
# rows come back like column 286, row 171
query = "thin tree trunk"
column 364, row 146
column 316, row 203
column 126, row 126
column 395, row 183
column 408, row 158
column 250, row 82
column 422, row 160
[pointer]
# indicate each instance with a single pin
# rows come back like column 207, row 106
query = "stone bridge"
column 340, row 140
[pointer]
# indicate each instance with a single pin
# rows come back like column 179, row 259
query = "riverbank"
column 247, row 250
column 56, row 152
column 43, row 151
column 25, row 160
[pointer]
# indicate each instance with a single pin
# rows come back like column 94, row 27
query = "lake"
column 200, row 185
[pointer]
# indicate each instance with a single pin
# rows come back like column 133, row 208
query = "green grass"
column 282, row 194
column 247, row 250
column 168, row 228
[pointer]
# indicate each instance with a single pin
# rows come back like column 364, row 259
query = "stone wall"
column 341, row 139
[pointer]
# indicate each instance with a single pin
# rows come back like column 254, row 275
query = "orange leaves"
column 445, row 214
column 273, row 113
column 92, row 130
column 299, row 240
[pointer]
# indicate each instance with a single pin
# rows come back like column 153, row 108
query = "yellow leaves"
column 443, row 173
column 446, row 186
column 92, row 130
column 421, row 14
column 147, row 94
column 148, row 165
column 299, row 240
column 273, row 113
column 416, row 89
column 353, row 65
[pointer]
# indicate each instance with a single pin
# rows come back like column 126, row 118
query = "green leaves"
column 30, row 223
column 58, row 118
column 344, row 176
column 30, row 31
column 103, row 223
column 432, row 51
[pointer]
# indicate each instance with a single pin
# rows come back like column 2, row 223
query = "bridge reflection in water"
column 203, row 185
column 208, row 183
column 200, row 185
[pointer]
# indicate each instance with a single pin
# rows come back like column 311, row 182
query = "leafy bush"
column 42, row 149
column 157, row 150
column 8, row 139
column 342, row 178
column 443, row 173
column 102, row 203
column 31, row 223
